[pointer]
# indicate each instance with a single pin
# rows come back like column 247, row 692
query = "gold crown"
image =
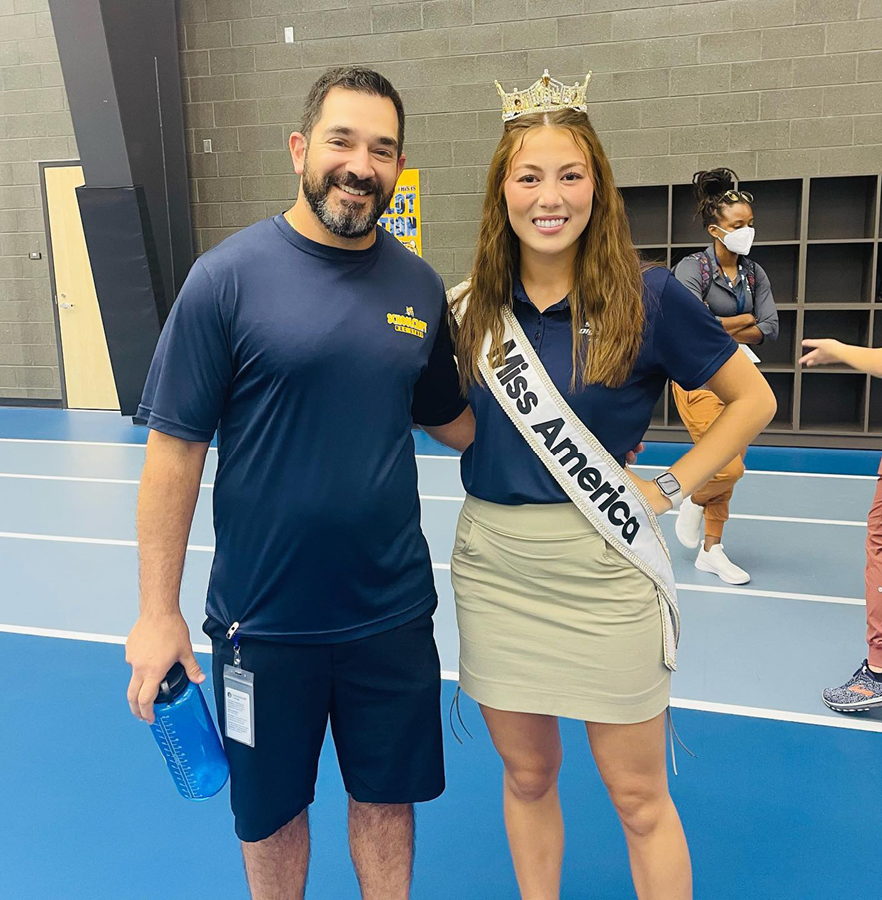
column 545, row 95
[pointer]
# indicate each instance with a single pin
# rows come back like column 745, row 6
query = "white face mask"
column 738, row 241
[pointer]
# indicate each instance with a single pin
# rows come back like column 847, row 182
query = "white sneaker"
column 715, row 561
column 689, row 521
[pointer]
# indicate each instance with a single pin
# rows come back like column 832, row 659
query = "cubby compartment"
column 877, row 293
column 654, row 255
column 777, row 206
column 647, row 209
column 851, row 326
column 678, row 253
column 782, row 387
column 832, row 401
column 686, row 227
column 780, row 352
column 673, row 415
column 781, row 264
column 838, row 273
column 658, row 412
column 876, row 405
column 842, row 208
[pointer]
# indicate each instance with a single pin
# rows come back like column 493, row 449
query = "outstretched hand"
column 822, row 352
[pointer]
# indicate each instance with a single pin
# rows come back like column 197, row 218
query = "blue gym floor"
column 783, row 802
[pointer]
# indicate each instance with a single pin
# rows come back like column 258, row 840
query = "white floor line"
column 775, row 595
column 69, row 478
column 439, row 456
column 206, row 485
column 444, row 567
column 780, row 715
column 798, row 519
column 748, row 472
column 139, row 446
column 129, row 481
column 754, row 712
column 70, row 539
column 785, row 474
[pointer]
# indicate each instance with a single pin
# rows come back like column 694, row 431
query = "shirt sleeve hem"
column 174, row 429
column 445, row 416
column 710, row 369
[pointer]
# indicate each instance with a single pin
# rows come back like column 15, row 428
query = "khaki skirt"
column 552, row 619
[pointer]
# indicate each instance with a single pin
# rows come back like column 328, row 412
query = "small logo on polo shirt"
column 408, row 323
column 586, row 329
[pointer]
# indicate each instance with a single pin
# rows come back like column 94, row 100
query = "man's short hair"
column 351, row 78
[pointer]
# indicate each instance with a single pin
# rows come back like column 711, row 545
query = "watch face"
column 668, row 484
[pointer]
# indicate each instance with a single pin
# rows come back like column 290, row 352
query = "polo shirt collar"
column 519, row 293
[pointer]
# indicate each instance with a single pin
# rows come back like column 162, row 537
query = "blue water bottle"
column 186, row 735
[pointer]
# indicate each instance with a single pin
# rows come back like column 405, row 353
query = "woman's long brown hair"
column 607, row 282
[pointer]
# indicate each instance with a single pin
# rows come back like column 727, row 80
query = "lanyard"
column 740, row 289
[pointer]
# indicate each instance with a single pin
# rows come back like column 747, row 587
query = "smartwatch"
column 670, row 487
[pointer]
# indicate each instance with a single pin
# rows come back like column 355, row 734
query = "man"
column 863, row 691
column 311, row 341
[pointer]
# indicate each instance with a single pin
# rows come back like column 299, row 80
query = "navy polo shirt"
column 682, row 341
column 312, row 363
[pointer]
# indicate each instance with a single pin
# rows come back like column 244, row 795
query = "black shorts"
column 382, row 695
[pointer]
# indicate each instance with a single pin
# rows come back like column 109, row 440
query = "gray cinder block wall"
column 34, row 125
column 769, row 87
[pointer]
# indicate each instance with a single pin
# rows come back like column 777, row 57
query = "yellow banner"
column 402, row 218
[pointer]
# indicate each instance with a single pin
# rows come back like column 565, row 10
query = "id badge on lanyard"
column 238, row 696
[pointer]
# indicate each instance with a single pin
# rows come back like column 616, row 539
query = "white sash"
column 599, row 487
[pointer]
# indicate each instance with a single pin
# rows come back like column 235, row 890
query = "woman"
column 554, row 619
column 737, row 292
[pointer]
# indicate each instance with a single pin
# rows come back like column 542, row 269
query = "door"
column 88, row 376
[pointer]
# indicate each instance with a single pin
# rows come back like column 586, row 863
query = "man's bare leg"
column 277, row 866
column 381, row 844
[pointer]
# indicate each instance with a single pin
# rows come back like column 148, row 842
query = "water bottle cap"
column 173, row 685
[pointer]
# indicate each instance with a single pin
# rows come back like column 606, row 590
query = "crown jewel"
column 547, row 94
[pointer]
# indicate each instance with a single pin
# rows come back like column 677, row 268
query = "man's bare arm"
column 459, row 434
column 166, row 502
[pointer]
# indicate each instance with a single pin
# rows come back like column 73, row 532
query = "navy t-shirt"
column 682, row 341
column 311, row 362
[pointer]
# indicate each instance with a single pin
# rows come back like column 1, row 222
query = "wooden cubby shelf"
column 820, row 241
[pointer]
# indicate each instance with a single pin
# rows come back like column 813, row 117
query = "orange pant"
column 699, row 410
column 873, row 578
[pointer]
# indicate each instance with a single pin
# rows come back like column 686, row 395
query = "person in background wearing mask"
column 863, row 690
column 738, row 293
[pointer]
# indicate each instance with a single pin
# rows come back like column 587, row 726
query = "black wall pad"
column 123, row 82
column 127, row 281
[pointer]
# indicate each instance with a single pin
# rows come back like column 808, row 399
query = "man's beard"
column 347, row 219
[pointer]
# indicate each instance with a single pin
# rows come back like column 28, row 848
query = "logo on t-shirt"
column 408, row 323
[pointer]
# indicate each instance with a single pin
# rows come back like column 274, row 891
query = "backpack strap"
column 704, row 265
column 704, row 270
column 750, row 269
